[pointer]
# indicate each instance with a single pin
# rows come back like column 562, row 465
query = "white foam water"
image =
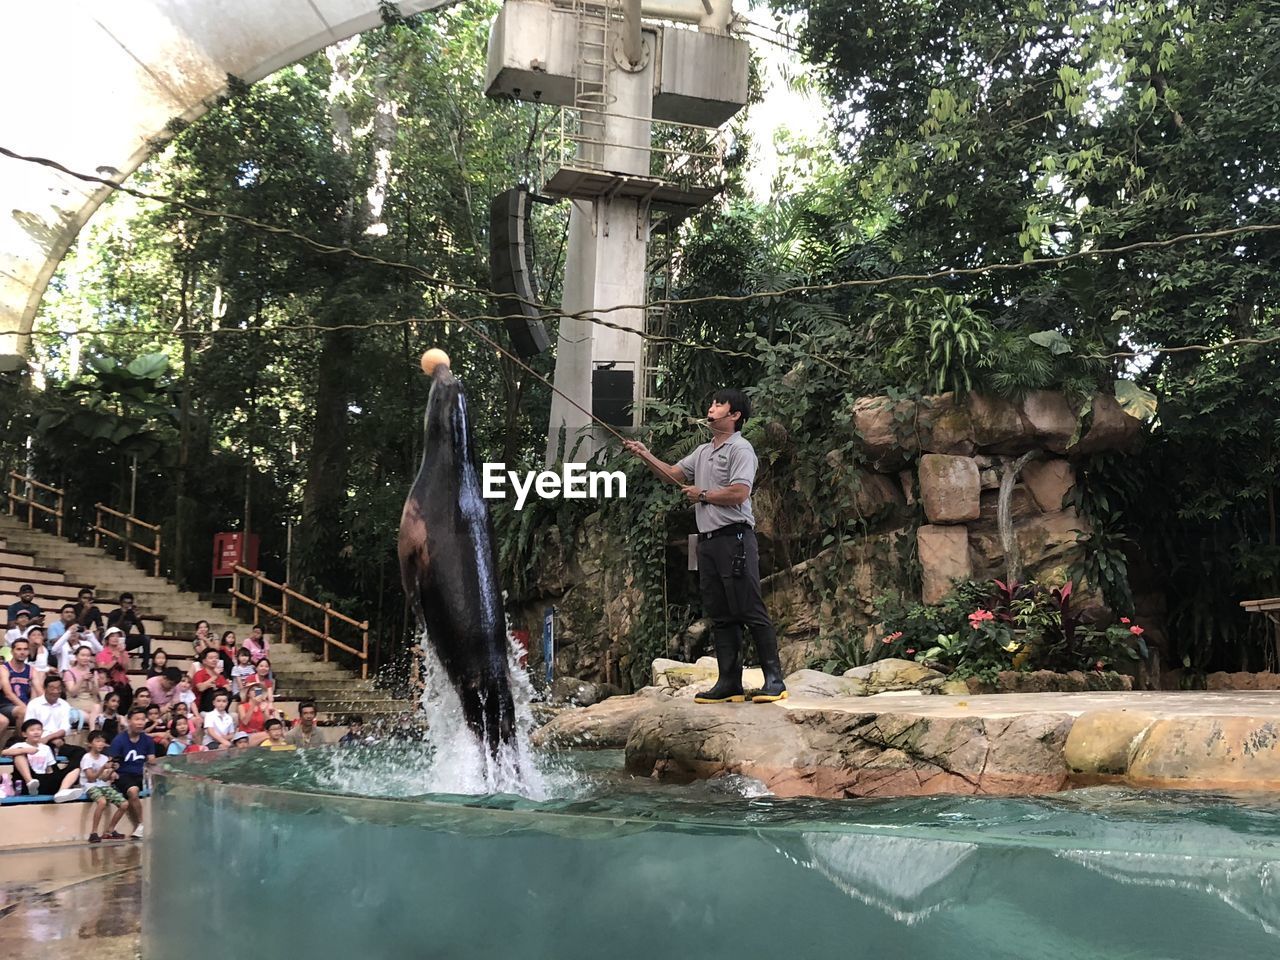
column 460, row 762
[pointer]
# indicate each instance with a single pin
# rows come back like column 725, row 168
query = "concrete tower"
column 615, row 75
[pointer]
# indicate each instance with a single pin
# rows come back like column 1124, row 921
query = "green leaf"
column 1051, row 340
column 1135, row 401
column 149, row 366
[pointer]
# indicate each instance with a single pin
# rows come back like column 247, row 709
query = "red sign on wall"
column 232, row 548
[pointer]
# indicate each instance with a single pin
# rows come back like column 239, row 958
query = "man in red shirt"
column 209, row 678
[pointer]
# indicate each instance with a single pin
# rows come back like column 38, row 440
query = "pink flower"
column 1125, row 620
column 1136, row 630
column 887, row 640
column 897, row 634
column 978, row 617
column 910, row 650
column 1098, row 666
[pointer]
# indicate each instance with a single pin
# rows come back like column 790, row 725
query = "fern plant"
column 941, row 341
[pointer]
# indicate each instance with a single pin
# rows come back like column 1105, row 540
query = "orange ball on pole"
column 433, row 358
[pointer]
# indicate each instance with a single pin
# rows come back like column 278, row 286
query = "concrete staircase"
column 58, row 568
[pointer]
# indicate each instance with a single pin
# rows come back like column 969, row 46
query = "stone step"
column 290, row 688
column 171, row 615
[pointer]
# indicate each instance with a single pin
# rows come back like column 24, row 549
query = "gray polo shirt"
column 711, row 468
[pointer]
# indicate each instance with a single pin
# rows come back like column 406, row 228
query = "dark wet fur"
column 449, row 566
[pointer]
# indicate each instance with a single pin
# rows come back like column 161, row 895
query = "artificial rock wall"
column 930, row 488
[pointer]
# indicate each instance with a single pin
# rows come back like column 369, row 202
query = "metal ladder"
column 657, row 319
column 591, row 77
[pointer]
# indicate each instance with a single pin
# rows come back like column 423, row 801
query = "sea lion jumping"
column 449, row 562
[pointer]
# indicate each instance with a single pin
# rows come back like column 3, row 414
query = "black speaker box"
column 511, row 271
column 611, row 392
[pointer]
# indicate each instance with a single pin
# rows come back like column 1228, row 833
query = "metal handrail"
column 100, row 530
column 287, row 593
column 57, row 511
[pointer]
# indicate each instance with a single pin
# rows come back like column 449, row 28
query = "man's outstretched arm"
column 664, row 471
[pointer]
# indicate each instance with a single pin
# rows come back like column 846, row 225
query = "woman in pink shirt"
column 256, row 643
column 82, row 686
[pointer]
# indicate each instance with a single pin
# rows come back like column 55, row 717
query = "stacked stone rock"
column 953, row 450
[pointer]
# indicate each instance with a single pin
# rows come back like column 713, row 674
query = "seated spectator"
column 184, row 702
column 66, row 636
column 209, row 679
column 159, row 663
column 254, row 712
column 54, row 714
column 110, row 720
column 263, row 675
column 157, row 729
column 128, row 620
column 240, row 739
column 241, row 672
column 38, row 655
column 97, row 778
column 163, row 689
column 219, row 725
column 16, row 679
column 275, row 737
column 37, row 766
column 26, row 601
column 141, row 699
column 227, row 651
column 81, row 685
column 115, row 658
column 87, row 613
column 134, row 750
column 256, row 643
column 202, row 641
column 20, row 624
column 355, row 733
column 180, row 738
column 305, row 733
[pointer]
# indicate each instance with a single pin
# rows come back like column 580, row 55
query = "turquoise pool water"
column 279, row 849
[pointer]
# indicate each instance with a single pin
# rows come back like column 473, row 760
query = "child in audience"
column 182, row 709
column 242, row 671
column 180, row 737
column 134, row 750
column 219, row 726
column 227, row 652
column 354, row 737
column 275, row 737
column 159, row 660
column 109, row 720
column 97, row 774
column 37, row 767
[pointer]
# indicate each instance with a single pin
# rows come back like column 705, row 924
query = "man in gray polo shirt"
column 718, row 478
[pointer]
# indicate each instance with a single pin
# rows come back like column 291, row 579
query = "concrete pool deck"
column 71, row 902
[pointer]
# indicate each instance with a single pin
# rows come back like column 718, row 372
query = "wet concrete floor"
column 72, row 901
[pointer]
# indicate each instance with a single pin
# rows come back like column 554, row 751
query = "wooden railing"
column 324, row 633
column 33, row 488
column 100, row 530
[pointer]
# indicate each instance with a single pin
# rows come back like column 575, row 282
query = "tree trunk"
column 320, row 539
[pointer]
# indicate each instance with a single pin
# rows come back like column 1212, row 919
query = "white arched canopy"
column 94, row 86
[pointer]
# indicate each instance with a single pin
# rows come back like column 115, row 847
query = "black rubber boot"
column 728, row 688
column 767, row 647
